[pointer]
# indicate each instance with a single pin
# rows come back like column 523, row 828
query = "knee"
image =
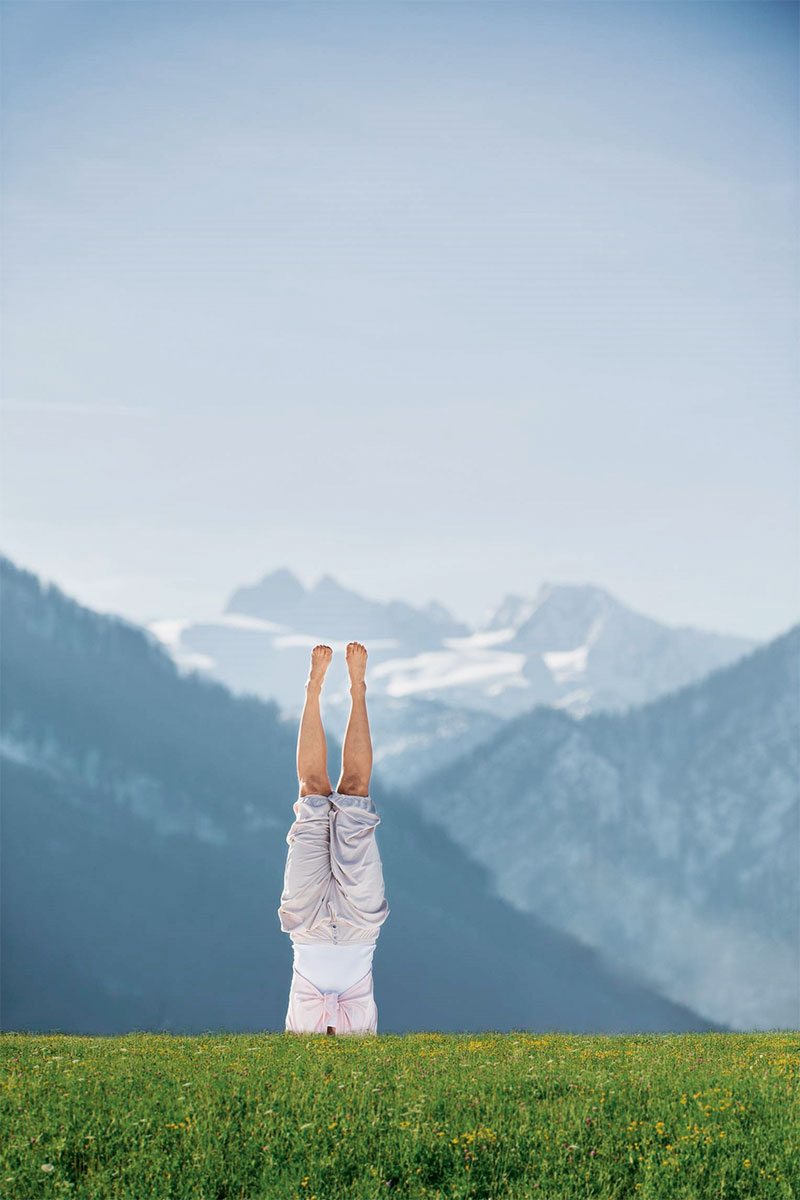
column 353, row 785
column 315, row 785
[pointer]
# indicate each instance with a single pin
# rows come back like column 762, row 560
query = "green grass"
column 288, row 1117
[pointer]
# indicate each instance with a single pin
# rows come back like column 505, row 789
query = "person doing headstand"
column 333, row 903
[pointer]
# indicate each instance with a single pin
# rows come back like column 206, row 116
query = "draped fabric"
column 312, row 1011
column 333, row 888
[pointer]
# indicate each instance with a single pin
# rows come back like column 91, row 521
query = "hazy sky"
column 444, row 299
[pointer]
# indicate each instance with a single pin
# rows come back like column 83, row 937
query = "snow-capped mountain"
column 668, row 837
column 435, row 686
column 599, row 655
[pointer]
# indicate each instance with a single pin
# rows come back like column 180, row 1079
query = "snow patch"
column 567, row 665
column 438, row 669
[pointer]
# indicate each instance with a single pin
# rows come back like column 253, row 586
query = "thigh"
column 307, row 877
column 356, row 862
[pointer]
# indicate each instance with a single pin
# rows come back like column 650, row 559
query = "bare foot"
column 320, row 661
column 356, row 659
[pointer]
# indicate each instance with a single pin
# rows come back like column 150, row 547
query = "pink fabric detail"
column 350, row 1012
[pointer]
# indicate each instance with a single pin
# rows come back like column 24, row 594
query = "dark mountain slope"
column 668, row 836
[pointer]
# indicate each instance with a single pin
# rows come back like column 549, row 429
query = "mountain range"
column 438, row 688
column 145, row 812
column 632, row 817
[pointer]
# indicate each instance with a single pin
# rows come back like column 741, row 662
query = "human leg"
column 333, row 887
column 307, row 880
column 312, row 750
column 307, row 877
column 359, row 899
column 357, row 747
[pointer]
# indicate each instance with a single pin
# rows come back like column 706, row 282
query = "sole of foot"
column 320, row 661
column 356, row 658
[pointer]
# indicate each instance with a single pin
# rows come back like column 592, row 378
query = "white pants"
column 333, row 889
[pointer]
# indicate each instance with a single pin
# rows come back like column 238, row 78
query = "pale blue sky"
column 445, row 299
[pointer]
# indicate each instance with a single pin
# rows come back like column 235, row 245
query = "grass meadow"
column 305, row 1117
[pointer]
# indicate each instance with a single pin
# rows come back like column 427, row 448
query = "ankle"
column 357, row 687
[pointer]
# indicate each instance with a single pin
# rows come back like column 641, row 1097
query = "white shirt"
column 334, row 968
